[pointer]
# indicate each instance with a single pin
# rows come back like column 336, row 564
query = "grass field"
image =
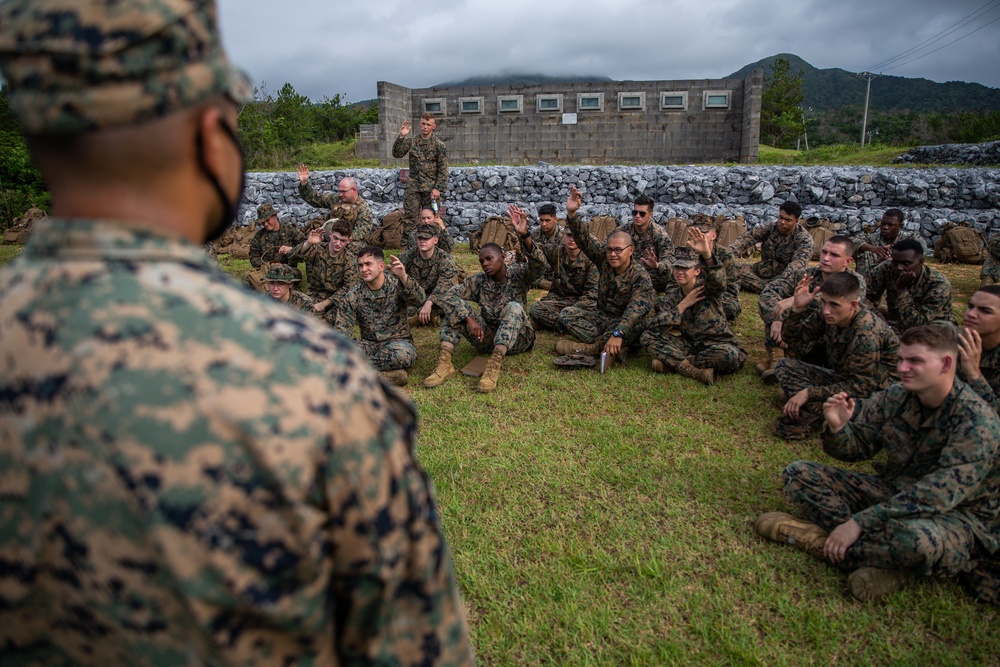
column 607, row 520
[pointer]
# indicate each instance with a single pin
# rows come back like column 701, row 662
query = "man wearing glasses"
column 624, row 292
column 347, row 204
column 653, row 247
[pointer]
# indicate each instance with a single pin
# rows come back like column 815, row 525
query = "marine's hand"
column 840, row 540
column 699, row 242
column 303, row 173
column 574, row 201
column 838, row 410
column 803, row 295
column 970, row 353
column 398, row 269
column 648, row 258
column 795, row 403
column 404, row 129
column 691, row 298
column 424, row 314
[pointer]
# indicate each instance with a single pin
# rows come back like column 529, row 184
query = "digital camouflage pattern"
column 866, row 261
column 777, row 254
column 381, row 318
column 927, row 301
column 435, row 275
column 359, row 214
column 502, row 311
column 574, row 283
column 622, row 299
column 264, row 244
column 701, row 331
column 193, row 474
column 165, row 56
column 330, row 276
column 861, row 356
column 300, row 301
column 783, row 287
column 549, row 244
column 428, row 171
column 990, row 273
column 656, row 239
column 930, row 502
column 730, row 299
column 987, row 386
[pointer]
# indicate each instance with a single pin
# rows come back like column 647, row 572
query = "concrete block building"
column 613, row 122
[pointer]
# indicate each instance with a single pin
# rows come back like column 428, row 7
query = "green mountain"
column 520, row 79
column 826, row 89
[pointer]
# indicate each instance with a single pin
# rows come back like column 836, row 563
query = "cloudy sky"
column 325, row 47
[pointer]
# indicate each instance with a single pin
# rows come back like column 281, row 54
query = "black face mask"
column 229, row 209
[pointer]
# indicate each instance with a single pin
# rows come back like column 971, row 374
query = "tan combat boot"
column 443, row 372
column 398, row 378
column 488, row 380
column 764, row 366
column 870, row 583
column 567, row 346
column 659, row 366
column 786, row 529
column 702, row 375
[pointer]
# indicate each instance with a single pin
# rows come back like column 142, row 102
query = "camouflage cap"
column 328, row 225
column 264, row 212
column 686, row 258
column 425, row 231
column 282, row 273
column 78, row 65
column 703, row 222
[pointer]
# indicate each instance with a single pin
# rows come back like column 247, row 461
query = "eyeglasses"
column 616, row 251
column 639, row 214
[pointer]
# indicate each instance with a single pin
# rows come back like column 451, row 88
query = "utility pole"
column 864, row 123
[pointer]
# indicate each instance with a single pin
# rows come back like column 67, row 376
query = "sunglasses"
column 639, row 214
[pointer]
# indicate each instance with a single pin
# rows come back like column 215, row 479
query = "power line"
column 961, row 23
column 942, row 46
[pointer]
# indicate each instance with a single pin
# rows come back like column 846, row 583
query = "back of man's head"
column 841, row 285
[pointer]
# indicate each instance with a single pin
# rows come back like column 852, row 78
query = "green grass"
column 607, row 520
column 838, row 155
column 336, row 155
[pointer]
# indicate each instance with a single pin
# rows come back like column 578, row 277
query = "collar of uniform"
column 89, row 239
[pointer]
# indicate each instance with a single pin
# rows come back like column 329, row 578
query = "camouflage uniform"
column 300, row 301
column 927, row 301
column 502, row 313
column 784, row 286
column 987, row 386
column 622, row 299
column 381, row 318
column 932, row 507
column 264, row 244
column 861, row 356
column 777, row 254
column 574, row 283
column 865, row 261
column 990, row 273
column 359, row 214
column 657, row 239
column 190, row 474
column 548, row 245
column 730, row 299
column 701, row 332
column 435, row 275
column 428, row 171
column 330, row 276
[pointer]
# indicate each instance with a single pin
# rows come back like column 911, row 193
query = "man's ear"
column 212, row 142
column 947, row 362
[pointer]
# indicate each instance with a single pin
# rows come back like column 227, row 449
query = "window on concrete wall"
column 547, row 103
column 434, row 105
column 470, row 105
column 510, row 103
column 590, row 101
column 673, row 99
column 631, row 101
column 716, row 99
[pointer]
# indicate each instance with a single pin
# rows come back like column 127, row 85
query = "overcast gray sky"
column 325, row 47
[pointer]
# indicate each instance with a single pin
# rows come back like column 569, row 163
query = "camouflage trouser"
column 794, row 375
column 390, row 355
column 730, row 301
column 413, row 201
column 750, row 280
column 546, row 311
column 672, row 349
column 939, row 545
column 512, row 330
column 591, row 326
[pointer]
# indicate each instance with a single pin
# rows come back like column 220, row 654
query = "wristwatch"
column 525, row 236
column 617, row 334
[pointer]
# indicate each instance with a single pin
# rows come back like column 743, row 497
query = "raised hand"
column 518, row 218
column 398, row 269
column 838, row 410
column 405, row 129
column 699, row 242
column 315, row 236
column 303, row 173
column 648, row 258
column 803, row 295
column 574, row 201
column 970, row 353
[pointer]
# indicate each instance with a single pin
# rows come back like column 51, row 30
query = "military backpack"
column 601, row 226
column 497, row 230
column 820, row 229
column 729, row 230
column 960, row 243
column 390, row 233
column 677, row 230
